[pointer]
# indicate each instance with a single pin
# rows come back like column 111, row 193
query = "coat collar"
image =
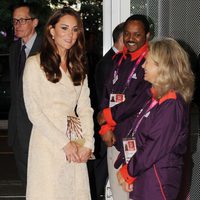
column 170, row 95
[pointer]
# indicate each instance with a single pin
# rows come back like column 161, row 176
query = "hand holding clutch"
column 84, row 153
column 75, row 135
column 71, row 152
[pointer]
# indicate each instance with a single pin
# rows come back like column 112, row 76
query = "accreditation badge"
column 116, row 99
column 129, row 145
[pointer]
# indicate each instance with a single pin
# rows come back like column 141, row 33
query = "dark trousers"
column 98, row 175
column 21, row 159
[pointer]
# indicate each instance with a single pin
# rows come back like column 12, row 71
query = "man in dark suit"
column 103, row 69
column 105, row 65
column 25, row 20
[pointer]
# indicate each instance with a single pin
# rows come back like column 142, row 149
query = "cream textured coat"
column 50, row 175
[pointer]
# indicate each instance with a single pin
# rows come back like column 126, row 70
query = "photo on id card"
column 129, row 145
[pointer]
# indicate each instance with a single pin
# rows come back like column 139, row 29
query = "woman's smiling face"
column 65, row 32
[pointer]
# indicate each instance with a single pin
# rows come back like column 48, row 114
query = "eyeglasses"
column 21, row 21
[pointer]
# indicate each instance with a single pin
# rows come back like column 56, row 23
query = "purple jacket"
column 135, row 94
column 161, row 140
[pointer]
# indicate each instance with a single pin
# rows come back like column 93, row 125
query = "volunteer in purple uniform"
column 161, row 127
column 124, row 93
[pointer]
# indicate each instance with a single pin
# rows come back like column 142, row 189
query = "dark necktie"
column 22, row 59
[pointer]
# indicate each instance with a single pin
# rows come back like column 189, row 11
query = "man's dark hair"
column 141, row 18
column 118, row 30
column 33, row 8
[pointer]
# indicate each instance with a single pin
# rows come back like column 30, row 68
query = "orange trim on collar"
column 137, row 53
column 170, row 95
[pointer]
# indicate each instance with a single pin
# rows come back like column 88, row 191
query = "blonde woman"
column 161, row 127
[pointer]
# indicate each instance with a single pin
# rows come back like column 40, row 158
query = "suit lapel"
column 35, row 48
column 36, row 45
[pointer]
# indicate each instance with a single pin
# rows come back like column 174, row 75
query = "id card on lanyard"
column 129, row 146
column 116, row 99
column 129, row 143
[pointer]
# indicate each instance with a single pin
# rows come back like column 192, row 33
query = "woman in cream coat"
column 54, row 82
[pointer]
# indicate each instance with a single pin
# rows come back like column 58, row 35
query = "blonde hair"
column 174, row 72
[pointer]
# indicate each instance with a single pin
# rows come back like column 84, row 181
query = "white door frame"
column 114, row 12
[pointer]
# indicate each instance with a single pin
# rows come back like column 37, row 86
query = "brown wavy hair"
column 174, row 72
column 49, row 57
